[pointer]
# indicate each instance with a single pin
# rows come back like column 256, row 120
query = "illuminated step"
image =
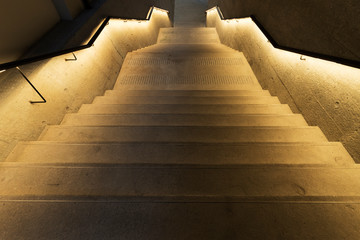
column 22, row 181
column 213, row 68
column 189, row 93
column 181, row 71
column 185, row 108
column 154, row 220
column 198, row 60
column 188, row 35
column 185, row 100
column 218, row 154
column 183, row 120
column 166, row 82
column 181, row 134
column 186, row 48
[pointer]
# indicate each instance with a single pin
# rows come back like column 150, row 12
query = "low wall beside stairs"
column 328, row 27
column 325, row 93
column 67, row 85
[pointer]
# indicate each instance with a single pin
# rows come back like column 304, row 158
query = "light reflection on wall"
column 349, row 74
column 325, row 92
column 67, row 85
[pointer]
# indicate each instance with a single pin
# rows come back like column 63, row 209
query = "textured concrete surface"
column 123, row 181
column 188, row 35
column 227, row 134
column 67, row 34
column 192, row 154
column 184, row 120
column 185, row 108
column 326, row 94
column 186, row 184
column 68, row 85
column 322, row 26
column 153, row 221
column 137, row 9
column 185, row 100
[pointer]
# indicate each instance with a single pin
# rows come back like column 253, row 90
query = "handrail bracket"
column 71, row 59
column 24, row 76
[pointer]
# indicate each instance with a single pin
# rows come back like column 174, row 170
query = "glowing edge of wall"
column 328, row 58
column 95, row 34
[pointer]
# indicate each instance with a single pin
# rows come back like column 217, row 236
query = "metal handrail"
column 344, row 61
column 17, row 63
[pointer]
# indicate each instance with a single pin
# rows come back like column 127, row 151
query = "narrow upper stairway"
column 186, row 146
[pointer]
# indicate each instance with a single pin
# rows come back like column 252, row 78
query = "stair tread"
column 184, row 119
column 198, row 93
column 182, row 153
column 197, row 58
column 189, row 29
column 186, row 100
column 143, row 82
column 186, row 108
column 187, row 48
column 114, row 220
column 188, row 35
column 185, row 65
column 182, row 134
column 186, row 184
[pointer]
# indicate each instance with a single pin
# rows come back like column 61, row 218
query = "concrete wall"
column 67, row 85
column 325, row 93
column 22, row 23
column 128, row 9
column 324, row 26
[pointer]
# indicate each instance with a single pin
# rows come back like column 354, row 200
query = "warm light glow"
column 161, row 11
column 238, row 26
column 118, row 36
column 1, row 71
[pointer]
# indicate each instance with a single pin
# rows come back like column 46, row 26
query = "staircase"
column 186, row 146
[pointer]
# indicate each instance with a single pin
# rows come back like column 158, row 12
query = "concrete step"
column 185, row 100
column 183, row 120
column 209, row 154
column 186, row 71
column 195, row 59
column 187, row 48
column 186, row 65
column 181, row 134
column 23, row 181
column 178, row 221
column 188, row 35
column 199, row 82
column 189, row 93
column 185, row 108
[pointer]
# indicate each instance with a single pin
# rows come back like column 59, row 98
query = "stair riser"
column 199, row 93
column 183, row 120
column 182, row 134
column 174, row 184
column 178, row 85
column 184, row 109
column 188, row 36
column 186, row 48
column 205, row 38
column 185, row 100
column 192, row 154
column 187, row 70
column 178, row 221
